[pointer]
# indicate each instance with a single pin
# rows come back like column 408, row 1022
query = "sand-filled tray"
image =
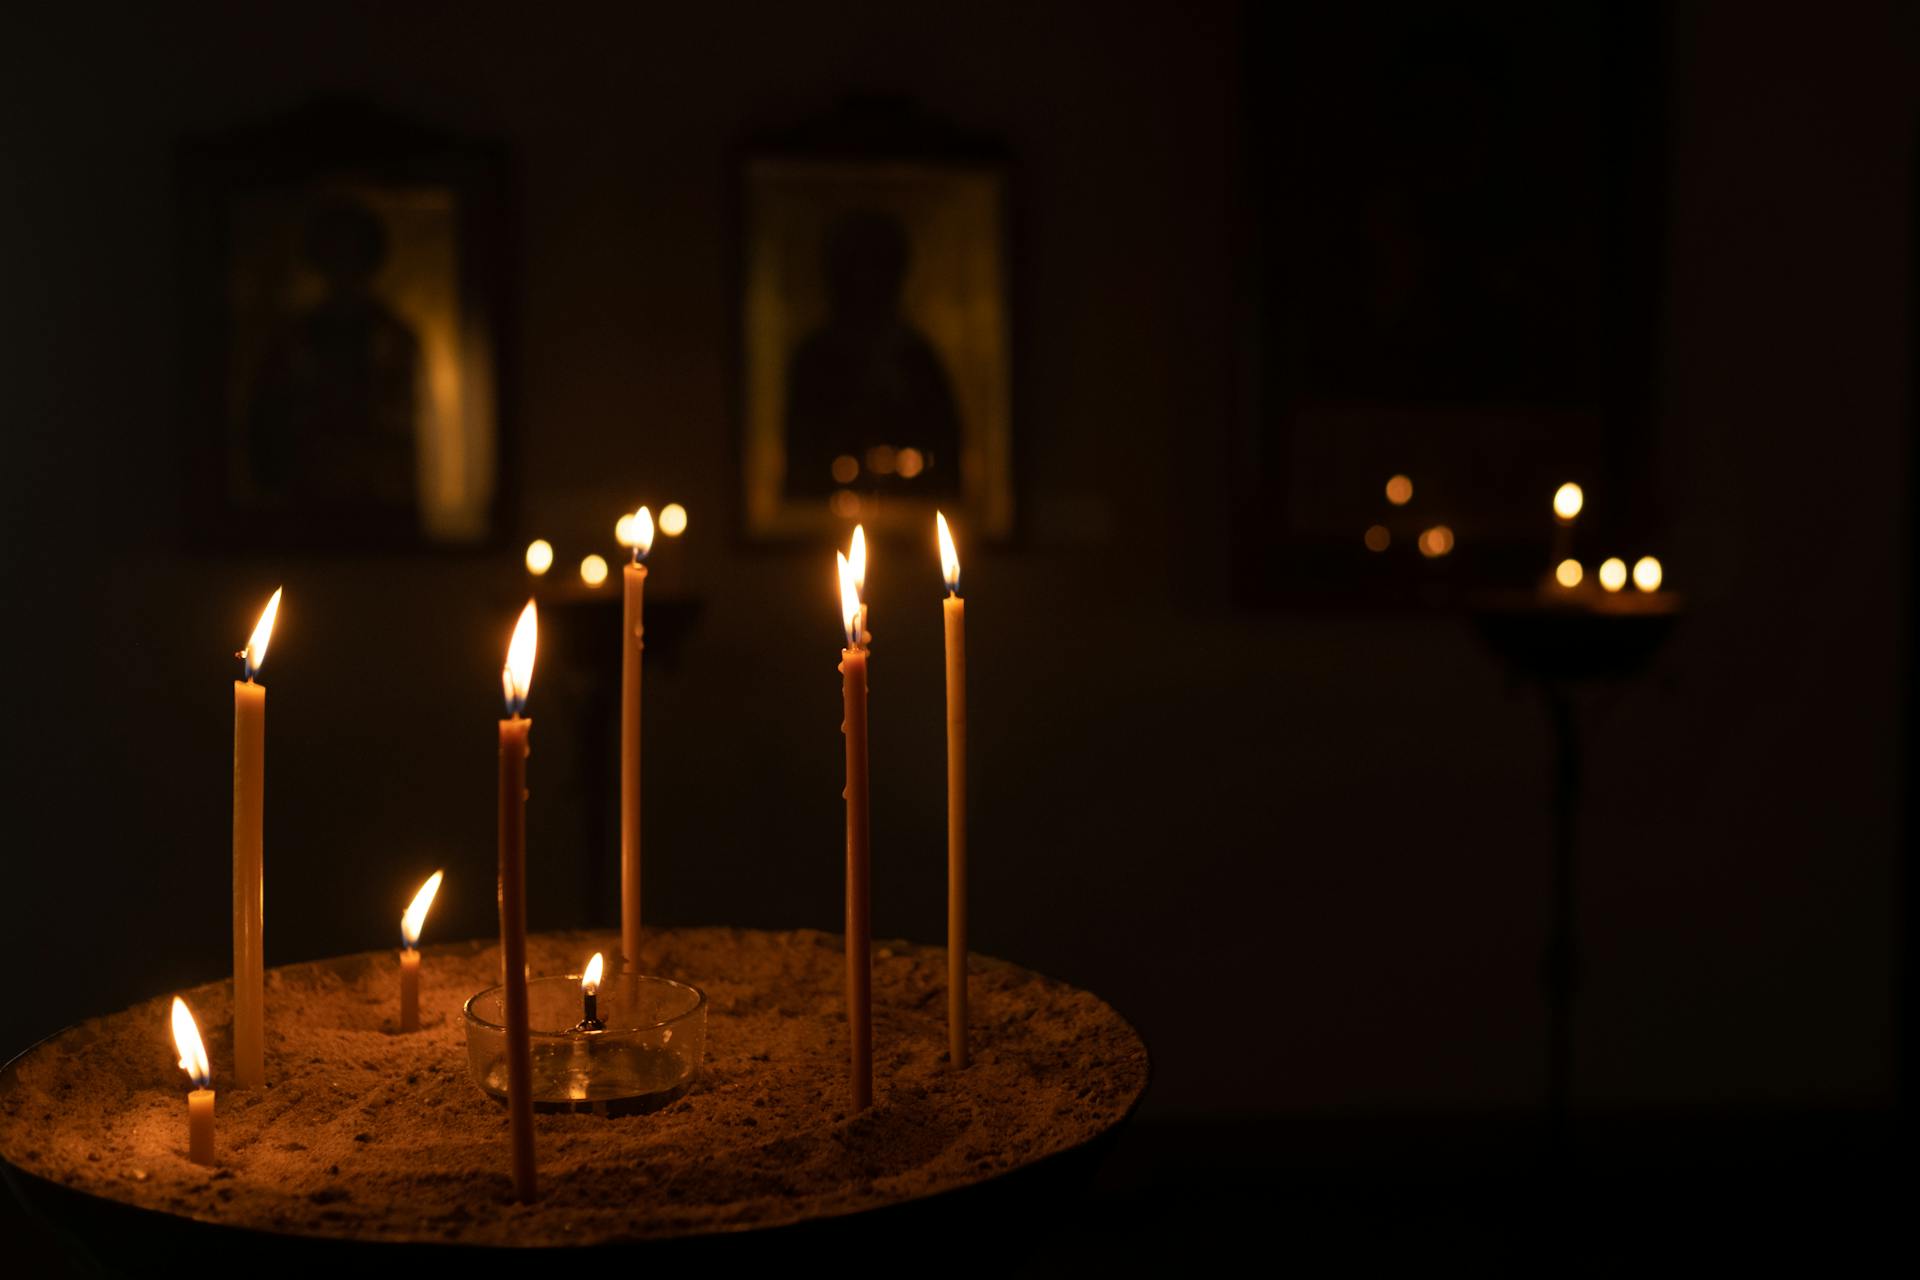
column 367, row 1135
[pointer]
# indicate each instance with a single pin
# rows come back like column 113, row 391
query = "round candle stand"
column 374, row 1151
column 1563, row 640
column 644, row 1053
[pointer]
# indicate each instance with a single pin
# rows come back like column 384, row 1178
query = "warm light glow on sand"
column 1379, row 538
column 1436, row 542
column 1399, row 491
column 1613, row 573
column 593, row 570
column 539, row 556
column 1568, row 573
column 1568, row 499
column 673, row 519
column 1646, row 574
column 416, row 913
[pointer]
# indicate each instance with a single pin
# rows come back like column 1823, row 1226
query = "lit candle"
column 955, row 610
column 1646, row 574
column 857, row 561
column 1568, row 499
column 1613, row 574
column 853, row 692
column 193, row 1061
column 515, row 678
column 410, row 922
column 590, row 994
column 249, row 816
column 632, row 643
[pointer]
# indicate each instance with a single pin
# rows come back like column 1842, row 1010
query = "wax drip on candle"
column 254, row 656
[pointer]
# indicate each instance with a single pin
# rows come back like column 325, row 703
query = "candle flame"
column 673, row 519
column 255, row 654
column 857, row 558
column 949, row 558
column 1567, row 501
column 849, row 601
column 416, row 912
column 590, row 980
column 1568, row 573
column 1613, row 573
column 1646, row 574
column 517, row 675
column 636, row 531
column 186, row 1039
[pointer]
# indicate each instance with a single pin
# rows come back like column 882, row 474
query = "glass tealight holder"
column 643, row 1053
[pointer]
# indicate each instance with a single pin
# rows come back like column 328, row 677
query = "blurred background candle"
column 632, row 643
column 410, row 922
column 249, row 819
column 954, row 609
column 516, row 678
column 853, row 723
column 193, row 1061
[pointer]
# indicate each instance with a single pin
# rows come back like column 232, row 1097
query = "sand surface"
column 369, row 1134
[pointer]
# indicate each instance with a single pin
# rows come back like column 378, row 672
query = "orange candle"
column 516, row 678
column 411, row 921
column 853, row 688
column 632, row 643
column 955, row 612
column 193, row 1061
column 249, row 824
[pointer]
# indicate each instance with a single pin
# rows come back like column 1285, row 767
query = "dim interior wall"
column 1306, row 853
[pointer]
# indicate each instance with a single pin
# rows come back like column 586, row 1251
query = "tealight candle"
column 193, row 1061
column 410, row 922
column 249, row 819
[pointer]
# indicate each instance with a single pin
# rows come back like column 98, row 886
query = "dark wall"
column 1304, row 850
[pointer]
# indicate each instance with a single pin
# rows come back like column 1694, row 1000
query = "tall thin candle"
column 955, row 612
column 516, row 678
column 632, row 643
column 249, row 828
column 853, row 691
